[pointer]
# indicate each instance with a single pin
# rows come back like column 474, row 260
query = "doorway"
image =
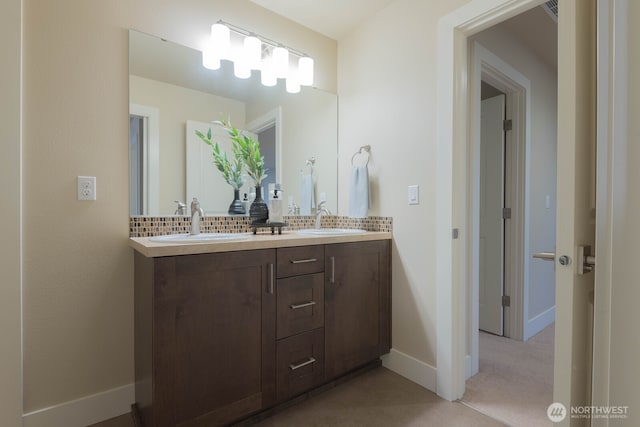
column 513, row 159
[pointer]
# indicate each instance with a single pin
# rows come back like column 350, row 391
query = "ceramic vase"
column 236, row 207
column 258, row 212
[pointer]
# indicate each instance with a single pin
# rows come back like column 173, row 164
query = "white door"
column 576, row 204
column 491, row 222
column 203, row 179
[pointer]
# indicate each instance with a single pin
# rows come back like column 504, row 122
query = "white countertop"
column 152, row 249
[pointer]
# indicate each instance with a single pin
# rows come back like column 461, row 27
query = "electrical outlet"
column 86, row 188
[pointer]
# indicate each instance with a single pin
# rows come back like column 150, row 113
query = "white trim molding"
column 84, row 411
column 411, row 368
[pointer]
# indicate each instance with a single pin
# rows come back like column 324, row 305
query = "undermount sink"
column 200, row 238
column 330, row 231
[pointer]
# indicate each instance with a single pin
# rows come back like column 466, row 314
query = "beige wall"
column 78, row 285
column 542, row 159
column 625, row 286
column 387, row 90
column 10, row 250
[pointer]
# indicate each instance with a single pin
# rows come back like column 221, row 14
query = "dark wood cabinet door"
column 357, row 301
column 215, row 330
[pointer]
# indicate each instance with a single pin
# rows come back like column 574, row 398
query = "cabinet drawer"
column 300, row 304
column 300, row 361
column 300, row 260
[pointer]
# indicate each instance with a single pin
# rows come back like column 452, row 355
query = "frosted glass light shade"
column 305, row 71
column 293, row 84
column 210, row 59
column 281, row 62
column 268, row 75
column 252, row 52
column 241, row 70
column 221, row 39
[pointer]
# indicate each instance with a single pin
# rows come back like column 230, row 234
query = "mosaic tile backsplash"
column 147, row 226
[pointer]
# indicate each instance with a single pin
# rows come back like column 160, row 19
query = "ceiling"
column 335, row 18
column 536, row 30
column 332, row 18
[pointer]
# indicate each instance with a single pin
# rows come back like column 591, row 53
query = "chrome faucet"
column 196, row 214
column 181, row 209
column 320, row 209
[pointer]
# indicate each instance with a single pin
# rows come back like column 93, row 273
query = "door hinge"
column 455, row 233
column 507, row 125
column 506, row 213
column 506, row 301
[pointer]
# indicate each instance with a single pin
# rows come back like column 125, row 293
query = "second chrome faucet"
column 320, row 210
column 196, row 214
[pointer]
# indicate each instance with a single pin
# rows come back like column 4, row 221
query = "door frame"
column 611, row 140
column 486, row 66
column 265, row 121
column 150, row 156
column 453, row 97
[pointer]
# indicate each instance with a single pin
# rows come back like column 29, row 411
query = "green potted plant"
column 231, row 170
column 247, row 148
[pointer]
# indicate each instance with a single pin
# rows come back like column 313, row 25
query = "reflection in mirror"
column 171, row 94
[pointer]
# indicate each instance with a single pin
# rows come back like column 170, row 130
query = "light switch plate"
column 413, row 195
column 86, row 188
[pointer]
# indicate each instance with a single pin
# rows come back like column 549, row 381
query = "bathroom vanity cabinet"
column 222, row 336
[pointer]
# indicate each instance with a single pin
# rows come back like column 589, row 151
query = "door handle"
column 551, row 256
column 547, row 256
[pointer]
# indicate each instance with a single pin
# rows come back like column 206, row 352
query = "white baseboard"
column 538, row 323
column 84, row 411
column 411, row 368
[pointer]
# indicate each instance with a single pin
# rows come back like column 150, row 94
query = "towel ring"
column 310, row 162
column 365, row 149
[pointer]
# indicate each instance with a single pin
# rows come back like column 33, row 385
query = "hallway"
column 515, row 382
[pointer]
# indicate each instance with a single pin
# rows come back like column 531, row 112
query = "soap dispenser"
column 276, row 205
column 246, row 203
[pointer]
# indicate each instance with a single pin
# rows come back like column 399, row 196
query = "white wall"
column 387, row 92
column 625, row 286
column 78, row 269
column 542, row 165
column 10, row 181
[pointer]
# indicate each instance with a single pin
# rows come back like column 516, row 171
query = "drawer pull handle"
column 332, row 280
column 303, row 261
column 297, row 306
column 305, row 363
column 271, row 278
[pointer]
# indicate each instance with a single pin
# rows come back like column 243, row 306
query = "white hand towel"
column 359, row 201
column 307, row 201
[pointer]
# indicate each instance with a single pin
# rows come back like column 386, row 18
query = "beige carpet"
column 378, row 398
column 515, row 381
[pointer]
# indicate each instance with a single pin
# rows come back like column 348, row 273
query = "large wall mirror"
column 171, row 95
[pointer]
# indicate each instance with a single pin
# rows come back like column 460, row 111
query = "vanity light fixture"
column 256, row 52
